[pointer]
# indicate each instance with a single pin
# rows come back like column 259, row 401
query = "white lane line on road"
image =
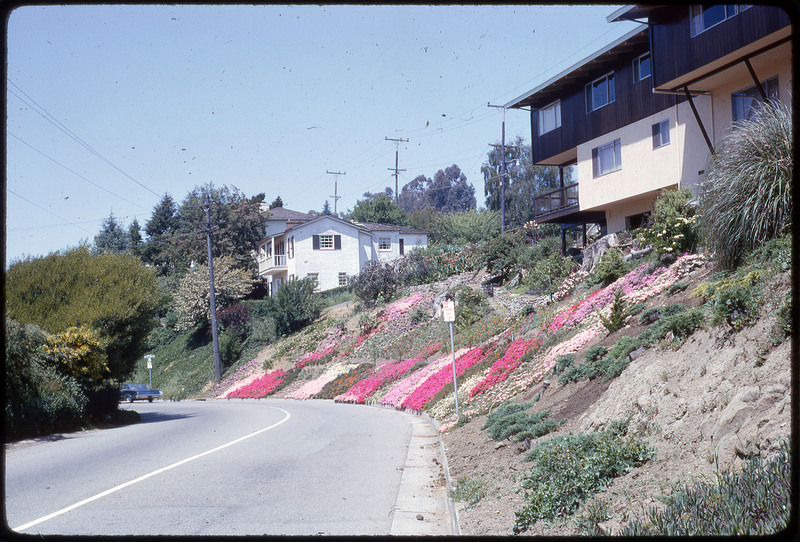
column 146, row 476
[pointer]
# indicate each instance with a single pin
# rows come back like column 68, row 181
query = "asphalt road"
column 228, row 468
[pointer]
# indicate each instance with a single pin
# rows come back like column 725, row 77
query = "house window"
column 600, row 92
column 342, row 278
column 707, row 15
column 661, row 134
column 291, row 247
column 384, row 243
column 641, row 67
column 314, row 277
column 606, row 158
column 550, row 117
column 745, row 102
column 326, row 242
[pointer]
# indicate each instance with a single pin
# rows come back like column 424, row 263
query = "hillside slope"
column 704, row 402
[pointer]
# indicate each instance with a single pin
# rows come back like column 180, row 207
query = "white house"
column 326, row 248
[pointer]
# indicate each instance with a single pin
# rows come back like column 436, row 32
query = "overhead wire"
column 47, row 211
column 55, row 122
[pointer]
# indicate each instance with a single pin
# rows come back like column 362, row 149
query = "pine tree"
column 112, row 237
column 326, row 209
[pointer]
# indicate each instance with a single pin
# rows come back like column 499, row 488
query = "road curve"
column 235, row 467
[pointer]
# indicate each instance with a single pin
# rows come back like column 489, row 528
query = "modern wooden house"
column 643, row 114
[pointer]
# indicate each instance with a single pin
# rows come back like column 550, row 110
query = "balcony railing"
column 557, row 200
column 271, row 263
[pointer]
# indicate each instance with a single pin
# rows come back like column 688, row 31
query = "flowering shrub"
column 259, row 387
column 506, row 364
column 407, row 385
column 420, row 396
column 451, row 260
column 344, row 382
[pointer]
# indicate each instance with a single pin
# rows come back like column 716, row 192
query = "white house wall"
column 326, row 262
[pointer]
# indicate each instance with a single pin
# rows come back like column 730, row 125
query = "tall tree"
column 237, row 226
column 326, row 209
column 525, row 181
column 112, row 237
column 381, row 209
column 450, row 192
column 277, row 202
column 412, row 195
column 162, row 225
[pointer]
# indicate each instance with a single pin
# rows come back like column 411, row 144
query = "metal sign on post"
column 449, row 314
column 149, row 358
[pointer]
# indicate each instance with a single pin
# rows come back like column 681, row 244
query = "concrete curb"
column 423, row 504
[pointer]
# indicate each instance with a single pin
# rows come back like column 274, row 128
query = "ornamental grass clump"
column 747, row 197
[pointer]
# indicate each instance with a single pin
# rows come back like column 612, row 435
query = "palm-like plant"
column 747, row 198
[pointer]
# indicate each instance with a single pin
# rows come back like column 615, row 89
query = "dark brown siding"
column 676, row 53
column 633, row 102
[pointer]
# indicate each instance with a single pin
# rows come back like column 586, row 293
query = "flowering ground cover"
column 417, row 399
column 313, row 387
column 259, row 387
column 504, row 366
column 404, row 387
column 315, row 356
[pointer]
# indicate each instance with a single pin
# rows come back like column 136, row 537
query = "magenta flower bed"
column 506, row 365
column 259, row 387
column 384, row 373
column 417, row 399
column 311, row 357
column 402, row 389
column 399, row 308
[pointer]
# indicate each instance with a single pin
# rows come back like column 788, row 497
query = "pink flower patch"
column 259, row 387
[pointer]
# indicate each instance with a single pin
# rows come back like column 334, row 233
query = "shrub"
column 235, row 318
column 756, row 501
column 783, row 327
column 471, row 307
column 376, row 282
column 468, row 489
column 747, row 197
column 296, row 306
column 608, row 268
column 513, row 421
column 548, row 272
column 596, row 352
column 737, row 306
column 619, row 313
column 682, row 323
column 500, row 254
column 230, row 348
column 262, row 330
column 674, row 230
column 562, row 362
column 415, row 268
column 571, row 468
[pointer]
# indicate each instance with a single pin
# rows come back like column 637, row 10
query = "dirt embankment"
column 705, row 404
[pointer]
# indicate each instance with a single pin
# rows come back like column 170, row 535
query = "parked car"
column 137, row 391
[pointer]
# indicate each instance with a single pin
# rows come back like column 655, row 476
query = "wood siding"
column 676, row 53
column 633, row 102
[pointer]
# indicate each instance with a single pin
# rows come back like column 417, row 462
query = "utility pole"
column 335, row 195
column 212, row 297
column 396, row 170
column 503, row 171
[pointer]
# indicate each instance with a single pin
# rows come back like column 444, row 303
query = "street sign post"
column 449, row 315
column 149, row 358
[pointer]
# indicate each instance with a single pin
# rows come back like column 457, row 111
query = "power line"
column 47, row 211
column 71, row 171
column 336, row 197
column 55, row 122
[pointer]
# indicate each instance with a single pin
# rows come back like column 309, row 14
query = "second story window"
column 707, row 15
column 745, row 101
column 600, row 92
column 641, row 67
column 606, row 158
column 326, row 242
column 550, row 117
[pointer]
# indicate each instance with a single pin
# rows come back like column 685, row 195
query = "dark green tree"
column 112, row 237
column 161, row 226
column 412, row 195
column 135, row 237
column 113, row 293
column 258, row 198
column 277, row 202
column 525, row 182
column 326, row 209
column 380, row 209
column 449, row 191
column 237, row 226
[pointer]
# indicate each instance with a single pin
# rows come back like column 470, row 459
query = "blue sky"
column 109, row 107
